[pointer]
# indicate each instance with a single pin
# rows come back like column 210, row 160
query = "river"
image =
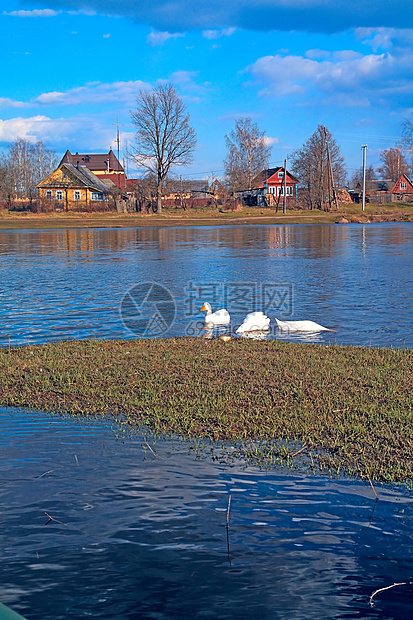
column 98, row 523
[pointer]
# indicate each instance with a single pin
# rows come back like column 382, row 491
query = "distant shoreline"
column 172, row 217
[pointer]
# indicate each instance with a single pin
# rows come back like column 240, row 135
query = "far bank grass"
column 350, row 408
column 399, row 212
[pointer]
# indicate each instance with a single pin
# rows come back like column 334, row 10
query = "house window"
column 59, row 194
column 77, row 195
column 403, row 185
column 289, row 190
column 49, row 194
column 97, row 196
column 280, row 174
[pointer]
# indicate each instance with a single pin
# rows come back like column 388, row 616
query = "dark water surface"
column 355, row 279
column 134, row 536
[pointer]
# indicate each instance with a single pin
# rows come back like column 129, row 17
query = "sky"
column 71, row 68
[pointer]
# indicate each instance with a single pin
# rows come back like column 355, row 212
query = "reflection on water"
column 354, row 279
column 134, row 536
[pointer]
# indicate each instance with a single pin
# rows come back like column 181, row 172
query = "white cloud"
column 98, row 94
column 183, row 77
column 106, row 36
column 385, row 38
column 34, row 13
column 5, row 102
column 346, row 55
column 317, row 54
column 191, row 91
column 268, row 141
column 95, row 93
column 217, row 34
column 158, row 38
column 33, row 128
column 76, row 133
column 353, row 78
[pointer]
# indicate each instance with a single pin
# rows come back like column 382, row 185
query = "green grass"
column 350, row 407
column 170, row 216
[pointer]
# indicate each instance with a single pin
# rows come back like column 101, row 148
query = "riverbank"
column 204, row 217
column 334, row 409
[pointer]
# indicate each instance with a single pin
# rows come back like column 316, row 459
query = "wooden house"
column 74, row 188
column 384, row 190
column 268, row 188
column 377, row 190
column 103, row 165
column 403, row 189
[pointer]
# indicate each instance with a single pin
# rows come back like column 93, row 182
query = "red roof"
column 270, row 177
column 94, row 161
column 396, row 189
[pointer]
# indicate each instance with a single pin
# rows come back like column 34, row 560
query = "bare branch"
column 247, row 154
column 310, row 164
column 164, row 137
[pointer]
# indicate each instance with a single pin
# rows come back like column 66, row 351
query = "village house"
column 195, row 192
column 384, row 190
column 103, row 165
column 268, row 188
column 403, row 189
column 74, row 188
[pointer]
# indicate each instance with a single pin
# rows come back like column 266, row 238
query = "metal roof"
column 93, row 161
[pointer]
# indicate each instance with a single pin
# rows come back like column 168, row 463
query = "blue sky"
column 71, row 67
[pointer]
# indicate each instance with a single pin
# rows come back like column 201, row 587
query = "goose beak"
column 203, row 309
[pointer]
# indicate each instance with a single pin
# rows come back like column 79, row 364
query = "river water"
column 354, row 279
column 95, row 523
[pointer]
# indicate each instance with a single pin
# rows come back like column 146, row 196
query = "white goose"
column 301, row 326
column 253, row 322
column 220, row 317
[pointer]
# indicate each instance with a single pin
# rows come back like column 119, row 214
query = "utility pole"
column 285, row 187
column 363, row 203
column 330, row 167
column 117, row 135
column 118, row 143
column 127, row 157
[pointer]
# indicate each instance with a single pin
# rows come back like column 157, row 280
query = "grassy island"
column 335, row 408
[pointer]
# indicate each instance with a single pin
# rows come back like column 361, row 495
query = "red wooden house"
column 403, row 189
column 268, row 188
column 272, row 181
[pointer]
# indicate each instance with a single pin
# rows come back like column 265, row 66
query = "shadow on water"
column 99, row 524
column 353, row 279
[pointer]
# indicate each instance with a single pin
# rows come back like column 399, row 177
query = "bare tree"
column 311, row 165
column 357, row 176
column 6, row 182
column 146, row 193
column 164, row 137
column 394, row 164
column 407, row 135
column 247, row 154
column 27, row 164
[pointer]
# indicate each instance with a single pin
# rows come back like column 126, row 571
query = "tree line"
column 165, row 140
column 22, row 167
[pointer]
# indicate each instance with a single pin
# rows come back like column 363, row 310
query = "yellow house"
column 74, row 188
